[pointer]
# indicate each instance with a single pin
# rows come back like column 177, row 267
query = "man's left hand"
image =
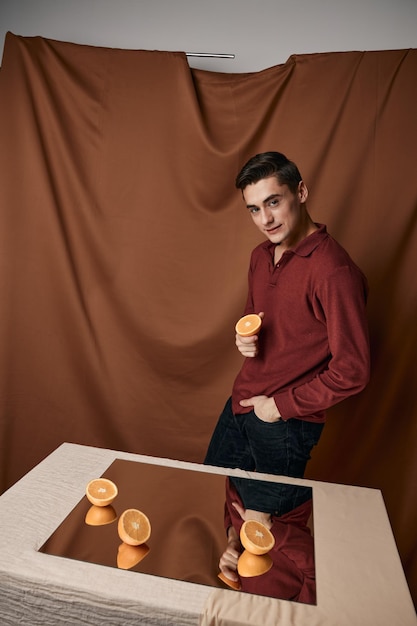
column 264, row 407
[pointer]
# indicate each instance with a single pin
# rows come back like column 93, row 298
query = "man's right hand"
column 247, row 346
column 229, row 558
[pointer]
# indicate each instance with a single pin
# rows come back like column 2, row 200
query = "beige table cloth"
column 360, row 580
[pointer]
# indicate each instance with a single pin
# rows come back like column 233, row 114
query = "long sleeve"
column 341, row 305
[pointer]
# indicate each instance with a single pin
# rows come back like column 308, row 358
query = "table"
column 360, row 580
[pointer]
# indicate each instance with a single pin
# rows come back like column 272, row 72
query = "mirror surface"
column 186, row 510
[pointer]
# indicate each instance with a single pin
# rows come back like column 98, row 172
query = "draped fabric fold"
column 124, row 248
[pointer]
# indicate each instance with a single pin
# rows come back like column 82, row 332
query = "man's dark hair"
column 269, row 164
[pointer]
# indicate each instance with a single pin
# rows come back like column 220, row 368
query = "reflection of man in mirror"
column 312, row 350
column 292, row 575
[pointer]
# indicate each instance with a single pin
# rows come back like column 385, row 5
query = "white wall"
column 261, row 33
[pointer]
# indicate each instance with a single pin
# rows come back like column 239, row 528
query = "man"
column 312, row 350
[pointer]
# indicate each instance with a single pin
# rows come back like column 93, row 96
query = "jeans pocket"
column 256, row 418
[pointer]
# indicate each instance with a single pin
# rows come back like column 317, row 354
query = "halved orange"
column 256, row 537
column 100, row 515
column 134, row 527
column 253, row 564
column 129, row 556
column 248, row 325
column 101, row 491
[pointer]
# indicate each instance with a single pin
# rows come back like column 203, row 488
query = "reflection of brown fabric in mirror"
column 192, row 533
column 185, row 509
column 292, row 576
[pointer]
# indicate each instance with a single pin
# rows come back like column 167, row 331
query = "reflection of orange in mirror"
column 129, row 556
column 256, row 537
column 253, row 564
column 248, row 325
column 100, row 515
column 101, row 491
column 134, row 527
column 234, row 584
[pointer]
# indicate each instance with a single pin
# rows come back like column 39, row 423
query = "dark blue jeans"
column 283, row 448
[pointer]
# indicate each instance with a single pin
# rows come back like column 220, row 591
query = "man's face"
column 279, row 214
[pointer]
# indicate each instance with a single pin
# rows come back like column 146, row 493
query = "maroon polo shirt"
column 313, row 344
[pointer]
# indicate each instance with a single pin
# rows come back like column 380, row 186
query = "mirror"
column 186, row 510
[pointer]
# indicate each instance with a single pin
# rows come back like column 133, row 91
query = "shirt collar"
column 307, row 245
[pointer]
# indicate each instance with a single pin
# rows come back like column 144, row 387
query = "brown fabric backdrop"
column 124, row 248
